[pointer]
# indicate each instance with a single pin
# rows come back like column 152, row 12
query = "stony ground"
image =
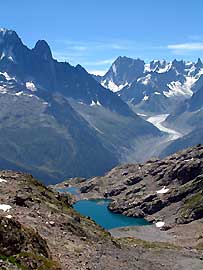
column 168, row 190
column 72, row 241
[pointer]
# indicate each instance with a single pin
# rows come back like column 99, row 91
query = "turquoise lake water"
column 72, row 190
column 98, row 211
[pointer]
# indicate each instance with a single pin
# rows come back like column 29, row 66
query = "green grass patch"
column 12, row 260
column 146, row 244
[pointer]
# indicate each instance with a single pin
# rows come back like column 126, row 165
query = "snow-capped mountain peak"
column 133, row 80
column 159, row 66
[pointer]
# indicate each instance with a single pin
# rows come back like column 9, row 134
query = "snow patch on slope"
column 145, row 80
column 112, row 86
column 5, row 207
column 97, row 103
column 178, row 89
column 164, row 69
column 31, row 86
column 7, row 76
column 145, row 98
column 114, row 69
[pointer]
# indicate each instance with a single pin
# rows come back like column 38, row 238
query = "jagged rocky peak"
column 9, row 40
column 5, row 32
column 128, row 60
column 42, row 49
column 8, row 36
column 178, row 64
column 123, row 71
column 199, row 63
column 157, row 64
column 123, row 62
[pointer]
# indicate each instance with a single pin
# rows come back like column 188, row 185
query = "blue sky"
column 95, row 32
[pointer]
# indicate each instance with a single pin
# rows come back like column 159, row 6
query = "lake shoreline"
column 97, row 210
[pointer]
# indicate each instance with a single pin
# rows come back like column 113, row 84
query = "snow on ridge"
column 98, row 103
column 3, row 90
column 112, row 86
column 93, row 103
column 145, row 98
column 7, row 54
column 7, row 76
column 178, row 89
column 2, row 55
column 147, row 68
column 141, row 114
column 164, row 69
column 31, row 86
column 3, row 31
column 10, row 58
column 145, row 80
column 114, row 69
column 159, row 66
column 19, row 93
column 189, row 63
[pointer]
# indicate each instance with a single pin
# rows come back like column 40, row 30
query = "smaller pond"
column 72, row 190
column 98, row 211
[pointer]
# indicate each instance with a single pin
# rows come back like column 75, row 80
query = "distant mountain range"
column 188, row 117
column 157, row 87
column 56, row 120
column 59, row 121
column 160, row 87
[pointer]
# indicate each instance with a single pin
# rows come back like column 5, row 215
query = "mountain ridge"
column 43, row 102
column 157, row 82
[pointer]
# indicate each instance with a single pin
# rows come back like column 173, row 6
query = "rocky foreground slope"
column 168, row 192
column 40, row 230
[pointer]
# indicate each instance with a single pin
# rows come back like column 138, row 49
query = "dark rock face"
column 26, row 246
column 37, row 115
column 43, row 231
column 124, row 70
column 16, row 239
column 22, row 199
column 115, row 192
column 140, row 195
column 133, row 180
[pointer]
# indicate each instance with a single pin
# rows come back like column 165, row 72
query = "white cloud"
column 97, row 72
column 99, row 62
column 79, row 48
column 194, row 46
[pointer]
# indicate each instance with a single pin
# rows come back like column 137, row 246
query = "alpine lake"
column 97, row 210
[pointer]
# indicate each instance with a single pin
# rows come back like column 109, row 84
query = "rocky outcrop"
column 39, row 229
column 169, row 189
column 22, row 246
